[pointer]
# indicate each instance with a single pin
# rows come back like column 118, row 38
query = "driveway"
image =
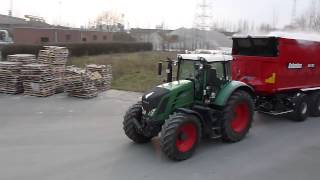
column 64, row 138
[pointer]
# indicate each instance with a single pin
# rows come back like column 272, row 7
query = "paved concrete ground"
column 60, row 138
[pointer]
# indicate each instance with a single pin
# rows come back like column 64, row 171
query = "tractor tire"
column 314, row 104
column 237, row 117
column 301, row 109
column 180, row 136
column 129, row 127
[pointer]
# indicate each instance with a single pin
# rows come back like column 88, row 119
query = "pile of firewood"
column 81, row 83
column 38, row 80
column 22, row 58
column 10, row 79
column 57, row 58
column 48, row 75
column 103, row 82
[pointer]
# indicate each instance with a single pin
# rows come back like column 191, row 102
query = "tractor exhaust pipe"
column 169, row 70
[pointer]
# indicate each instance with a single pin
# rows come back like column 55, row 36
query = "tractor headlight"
column 151, row 113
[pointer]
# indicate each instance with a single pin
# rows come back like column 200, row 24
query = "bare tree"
column 109, row 21
column 310, row 20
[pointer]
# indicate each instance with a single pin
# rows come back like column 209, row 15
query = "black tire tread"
column 314, row 100
column 168, row 135
column 228, row 113
column 129, row 127
column 296, row 115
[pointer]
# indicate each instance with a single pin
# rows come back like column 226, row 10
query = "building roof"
column 206, row 57
column 15, row 21
column 4, row 19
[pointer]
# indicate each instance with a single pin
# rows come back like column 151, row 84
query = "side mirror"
column 160, row 68
column 212, row 77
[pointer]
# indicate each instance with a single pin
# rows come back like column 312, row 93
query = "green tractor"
column 204, row 102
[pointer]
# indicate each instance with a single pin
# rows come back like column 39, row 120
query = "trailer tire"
column 129, row 127
column 180, row 136
column 315, row 104
column 237, row 117
column 301, row 109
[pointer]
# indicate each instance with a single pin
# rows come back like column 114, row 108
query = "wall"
column 40, row 35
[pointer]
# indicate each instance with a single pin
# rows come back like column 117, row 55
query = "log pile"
column 48, row 75
column 10, row 79
column 38, row 80
column 80, row 83
column 22, row 58
column 56, row 57
column 102, row 82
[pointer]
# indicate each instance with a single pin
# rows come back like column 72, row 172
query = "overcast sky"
column 148, row 13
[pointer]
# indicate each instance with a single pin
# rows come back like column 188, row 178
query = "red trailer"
column 284, row 73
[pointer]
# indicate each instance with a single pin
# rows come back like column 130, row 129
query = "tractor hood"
column 163, row 94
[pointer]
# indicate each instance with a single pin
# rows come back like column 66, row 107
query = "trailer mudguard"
column 227, row 90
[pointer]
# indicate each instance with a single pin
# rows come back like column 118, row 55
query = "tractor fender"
column 229, row 89
column 191, row 112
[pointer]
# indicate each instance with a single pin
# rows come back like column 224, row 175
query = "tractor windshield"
column 187, row 69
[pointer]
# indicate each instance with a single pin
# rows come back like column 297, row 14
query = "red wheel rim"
column 186, row 138
column 241, row 118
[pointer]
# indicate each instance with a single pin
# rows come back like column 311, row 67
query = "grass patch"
column 131, row 71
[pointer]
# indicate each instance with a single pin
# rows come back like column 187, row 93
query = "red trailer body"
column 276, row 65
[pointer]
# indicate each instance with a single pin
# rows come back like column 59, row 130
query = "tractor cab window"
column 265, row 47
column 187, row 69
column 219, row 66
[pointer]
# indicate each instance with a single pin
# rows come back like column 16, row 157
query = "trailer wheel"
column 129, row 127
column 315, row 104
column 301, row 109
column 180, row 136
column 237, row 117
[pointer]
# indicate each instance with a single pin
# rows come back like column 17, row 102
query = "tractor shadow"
column 263, row 126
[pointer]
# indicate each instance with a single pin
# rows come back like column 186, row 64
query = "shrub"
column 80, row 49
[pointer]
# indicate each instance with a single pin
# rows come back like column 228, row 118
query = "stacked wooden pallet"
column 22, row 58
column 38, row 80
column 10, row 79
column 57, row 58
column 103, row 83
column 81, row 83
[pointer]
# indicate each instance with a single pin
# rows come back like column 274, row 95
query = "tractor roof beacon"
column 204, row 102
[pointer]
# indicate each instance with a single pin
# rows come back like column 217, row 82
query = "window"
column 68, row 37
column 94, row 37
column 84, row 39
column 105, row 38
column 266, row 47
column 44, row 39
column 187, row 69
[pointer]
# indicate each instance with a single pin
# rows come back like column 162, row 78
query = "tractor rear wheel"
column 180, row 136
column 237, row 117
column 315, row 104
column 129, row 127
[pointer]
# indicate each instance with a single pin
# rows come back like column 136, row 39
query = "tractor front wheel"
column 134, row 114
column 237, row 117
column 180, row 136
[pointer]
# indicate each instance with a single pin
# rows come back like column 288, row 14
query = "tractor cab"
column 208, row 72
